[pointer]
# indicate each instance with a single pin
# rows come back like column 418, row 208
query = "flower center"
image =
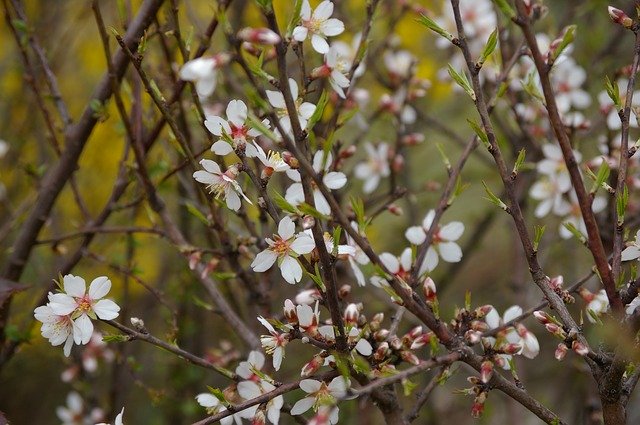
column 84, row 304
column 280, row 246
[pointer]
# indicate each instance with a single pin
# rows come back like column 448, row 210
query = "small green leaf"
column 601, row 177
column 194, row 211
column 613, row 91
column 538, row 232
column 115, row 338
column 621, row 205
column 445, row 159
column 568, row 35
column 282, row 203
column 462, row 80
column 505, row 8
column 519, row 161
column 433, row 26
column 480, row 133
column 319, row 111
column 489, row 48
column 295, row 17
column 575, row 232
column 491, row 197
column 217, row 393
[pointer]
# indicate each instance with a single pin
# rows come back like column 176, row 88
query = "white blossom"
column 443, row 242
column 321, row 394
column 375, row 167
column 204, row 73
column 319, row 25
column 234, row 129
column 273, row 343
column 632, row 251
column 221, row 184
column 304, row 110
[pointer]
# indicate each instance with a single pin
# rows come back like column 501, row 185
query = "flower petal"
column 100, row 286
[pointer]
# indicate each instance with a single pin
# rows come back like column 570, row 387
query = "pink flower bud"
column 429, row 290
column 413, row 139
column 422, row 340
column 561, row 351
column 259, row 36
column 344, row 291
column 586, row 295
column 409, row 357
column 479, row 326
column 348, row 152
column 291, row 160
column 310, row 368
column 556, row 330
column 211, row 266
column 376, row 321
column 486, row 371
column 483, row 310
column 473, row 337
column 351, row 314
column 512, row 348
column 381, row 335
column 398, row 163
column 290, row 312
column 395, row 209
column 619, row 17
column 542, row 317
column 413, row 334
column 308, row 296
column 381, row 352
column 478, row 405
column 395, row 343
column 556, row 282
column 322, row 71
column 579, row 348
column 194, row 259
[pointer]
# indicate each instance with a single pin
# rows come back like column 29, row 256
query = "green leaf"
column 194, row 211
column 531, row 87
column 519, row 161
column 575, row 232
column 445, row 159
column 295, row 17
column 538, row 232
column 115, row 338
column 336, row 240
column 264, row 4
column 217, row 393
column 601, row 177
column 462, row 80
column 282, row 203
column 491, row 197
column 613, row 91
column 408, row 387
column 621, row 205
column 489, row 48
column 568, row 35
column 480, row 133
column 309, row 210
column 319, row 111
column 433, row 26
column 505, row 8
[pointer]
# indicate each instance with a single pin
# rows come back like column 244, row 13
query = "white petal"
column 300, row 33
column 232, row 199
column 630, row 253
column 492, row 318
column 390, row 262
column 306, row 110
column 450, row 252
column 334, row 180
column 222, row 148
column 405, row 259
column 310, row 386
column 248, row 389
column 452, row 231
column 106, row 309
column 303, row 244
column 99, row 287
column 323, row 11
column 364, row 347
column 430, row 260
column 321, row 203
column 82, row 330
column 237, row 112
column 291, row 270
column 264, row 260
column 210, row 166
column 303, row 405
column 286, row 228
column 217, row 125
column 74, row 285
column 319, row 44
column 332, row 27
column 511, row 313
column 416, row 235
column 276, row 99
column 62, row 304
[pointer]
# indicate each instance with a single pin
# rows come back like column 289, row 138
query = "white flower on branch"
column 597, row 303
column 347, row 55
column 398, row 266
column 273, row 343
column 284, row 248
column 357, row 258
column 550, row 191
column 204, row 73
column 609, row 109
column 273, row 161
column 234, row 131
column 321, row 394
column 304, row 109
column 75, row 412
column 56, row 328
column 575, row 215
column 442, row 244
column 254, row 386
column 82, row 306
column 334, row 68
column 375, row 167
column 214, row 406
column 318, row 25
column 221, row 184
column 331, row 179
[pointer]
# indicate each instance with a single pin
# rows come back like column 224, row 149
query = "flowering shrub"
column 317, row 244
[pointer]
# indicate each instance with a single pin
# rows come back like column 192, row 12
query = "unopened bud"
column 412, row 334
column 422, row 340
column 194, row 259
column 409, row 357
column 291, row 160
column 579, row 348
column 398, row 163
column 556, row 282
column 478, row 405
column 308, row 222
column 381, row 352
column 542, row 317
column 561, row 351
column 413, row 139
column 482, row 311
column 351, row 314
column 586, row 295
column 381, row 335
column 486, row 371
column 138, row 324
column 290, row 312
column 512, row 348
column 344, row 291
column 308, row 296
column 376, row 321
column 259, row 418
column 477, row 325
column 395, row 209
column 348, row 152
column 429, row 290
column 473, row 337
column 259, row 36
column 322, row 71
column 211, row 266
column 619, row 17
column 556, row 330
column 395, row 343
column 310, row 368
